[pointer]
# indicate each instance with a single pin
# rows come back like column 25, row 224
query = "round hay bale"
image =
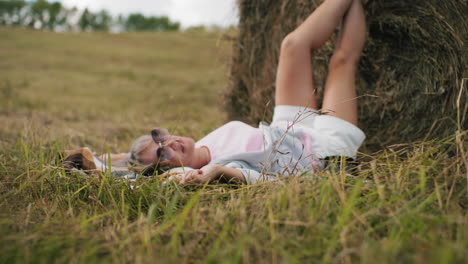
column 410, row 83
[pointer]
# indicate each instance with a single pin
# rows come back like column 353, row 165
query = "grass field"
column 408, row 204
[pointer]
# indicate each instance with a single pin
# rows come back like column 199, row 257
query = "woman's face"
column 177, row 151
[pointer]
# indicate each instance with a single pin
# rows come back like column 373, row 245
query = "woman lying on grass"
column 299, row 138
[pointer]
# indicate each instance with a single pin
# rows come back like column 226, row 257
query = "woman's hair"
column 136, row 150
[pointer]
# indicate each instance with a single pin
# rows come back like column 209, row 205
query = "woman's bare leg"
column 294, row 84
column 340, row 89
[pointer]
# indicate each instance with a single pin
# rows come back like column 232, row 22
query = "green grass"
column 408, row 203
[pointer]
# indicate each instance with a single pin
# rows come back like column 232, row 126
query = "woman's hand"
column 200, row 176
column 211, row 173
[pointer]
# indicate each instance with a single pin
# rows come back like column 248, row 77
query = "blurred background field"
column 407, row 204
column 102, row 90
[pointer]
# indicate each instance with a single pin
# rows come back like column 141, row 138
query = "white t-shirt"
column 232, row 138
column 295, row 142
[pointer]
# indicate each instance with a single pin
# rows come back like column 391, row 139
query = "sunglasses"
column 160, row 135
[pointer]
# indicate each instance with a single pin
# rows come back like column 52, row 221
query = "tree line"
column 41, row 14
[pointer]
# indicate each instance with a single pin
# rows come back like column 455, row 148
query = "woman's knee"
column 343, row 58
column 293, row 43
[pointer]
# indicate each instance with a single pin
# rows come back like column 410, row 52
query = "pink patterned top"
column 232, row 138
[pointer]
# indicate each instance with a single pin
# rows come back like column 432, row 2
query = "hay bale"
column 413, row 65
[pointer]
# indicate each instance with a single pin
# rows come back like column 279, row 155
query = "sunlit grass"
column 407, row 204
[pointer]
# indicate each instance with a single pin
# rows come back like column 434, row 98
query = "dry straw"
column 409, row 76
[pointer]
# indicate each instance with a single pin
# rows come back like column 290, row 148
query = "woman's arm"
column 117, row 160
column 213, row 172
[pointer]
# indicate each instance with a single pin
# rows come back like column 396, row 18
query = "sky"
column 187, row 12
